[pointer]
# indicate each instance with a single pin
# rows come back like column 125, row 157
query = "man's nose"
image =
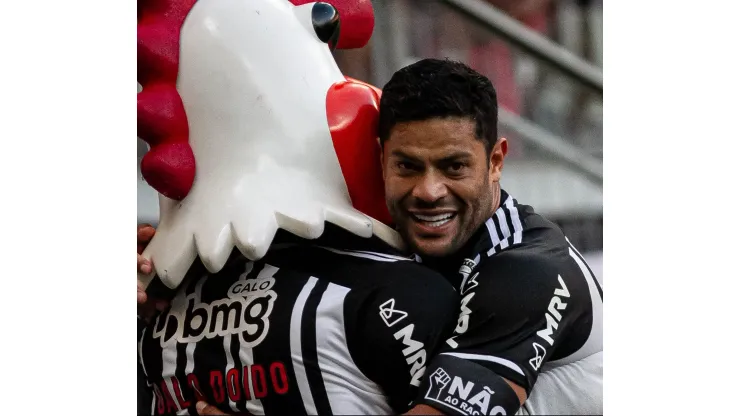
column 430, row 188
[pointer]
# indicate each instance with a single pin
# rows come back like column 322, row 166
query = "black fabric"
column 524, row 299
column 509, row 301
column 144, row 392
column 420, row 311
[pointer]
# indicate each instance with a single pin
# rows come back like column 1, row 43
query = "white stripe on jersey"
column 190, row 348
column 169, row 354
column 296, row 351
column 490, row 358
column 518, row 227
column 504, row 211
column 501, row 217
column 493, row 234
column 594, row 343
column 169, row 365
column 246, row 354
column 141, row 354
column 385, row 255
column 368, row 255
column 349, row 391
column 229, row 366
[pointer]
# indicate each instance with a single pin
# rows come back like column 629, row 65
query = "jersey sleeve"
column 398, row 325
column 514, row 312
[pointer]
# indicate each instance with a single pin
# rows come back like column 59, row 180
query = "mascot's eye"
column 325, row 19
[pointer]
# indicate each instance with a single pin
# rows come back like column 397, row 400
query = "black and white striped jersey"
column 336, row 326
column 528, row 302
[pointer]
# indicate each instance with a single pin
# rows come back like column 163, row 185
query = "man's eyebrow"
column 455, row 156
column 402, row 155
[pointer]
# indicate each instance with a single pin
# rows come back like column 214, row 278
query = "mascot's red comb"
column 169, row 167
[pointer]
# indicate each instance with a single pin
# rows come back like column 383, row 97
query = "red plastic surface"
column 356, row 20
column 352, row 113
column 169, row 167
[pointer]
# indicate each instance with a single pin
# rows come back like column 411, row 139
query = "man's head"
column 441, row 157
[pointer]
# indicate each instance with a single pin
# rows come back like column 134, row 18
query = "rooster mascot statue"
column 253, row 127
column 289, row 289
column 273, row 233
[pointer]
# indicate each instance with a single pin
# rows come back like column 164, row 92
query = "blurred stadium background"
column 544, row 58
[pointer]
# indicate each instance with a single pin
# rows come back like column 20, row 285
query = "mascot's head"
column 252, row 126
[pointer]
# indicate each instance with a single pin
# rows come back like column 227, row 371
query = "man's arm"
column 514, row 311
column 422, row 409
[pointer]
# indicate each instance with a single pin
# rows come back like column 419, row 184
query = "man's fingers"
column 144, row 231
column 161, row 305
column 143, row 265
column 205, row 409
column 144, row 234
column 140, row 297
column 140, row 293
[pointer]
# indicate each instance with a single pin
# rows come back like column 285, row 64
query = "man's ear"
column 498, row 153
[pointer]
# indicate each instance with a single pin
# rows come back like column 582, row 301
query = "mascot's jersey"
column 311, row 328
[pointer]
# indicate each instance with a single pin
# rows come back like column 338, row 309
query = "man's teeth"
column 435, row 220
column 439, row 223
column 439, row 217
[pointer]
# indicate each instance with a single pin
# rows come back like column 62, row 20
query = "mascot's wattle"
column 253, row 127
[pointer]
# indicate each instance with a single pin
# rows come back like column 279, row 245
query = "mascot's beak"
column 325, row 19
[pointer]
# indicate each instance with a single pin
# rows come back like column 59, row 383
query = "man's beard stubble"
column 480, row 210
column 476, row 213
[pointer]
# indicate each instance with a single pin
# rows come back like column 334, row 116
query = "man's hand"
column 205, row 409
column 144, row 234
column 147, row 307
column 422, row 409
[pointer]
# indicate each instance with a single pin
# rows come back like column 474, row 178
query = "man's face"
column 439, row 182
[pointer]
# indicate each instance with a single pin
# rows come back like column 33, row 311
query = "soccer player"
column 528, row 302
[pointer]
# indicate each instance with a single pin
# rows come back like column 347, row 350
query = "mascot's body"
column 289, row 294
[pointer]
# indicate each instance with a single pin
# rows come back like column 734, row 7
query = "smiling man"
column 529, row 302
column 530, row 306
column 438, row 185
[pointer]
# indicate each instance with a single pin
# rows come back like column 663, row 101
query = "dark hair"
column 433, row 88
